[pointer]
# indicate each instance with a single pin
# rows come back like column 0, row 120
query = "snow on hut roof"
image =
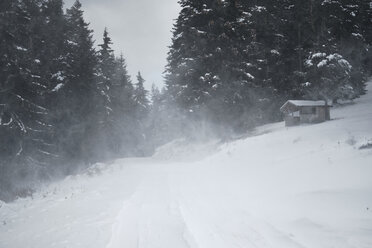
column 305, row 103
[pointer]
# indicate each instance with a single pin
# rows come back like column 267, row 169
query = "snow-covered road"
column 302, row 187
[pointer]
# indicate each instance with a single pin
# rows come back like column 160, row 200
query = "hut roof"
column 304, row 103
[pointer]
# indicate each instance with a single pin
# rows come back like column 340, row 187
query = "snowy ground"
column 302, row 187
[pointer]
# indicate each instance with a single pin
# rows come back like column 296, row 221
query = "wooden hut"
column 300, row 111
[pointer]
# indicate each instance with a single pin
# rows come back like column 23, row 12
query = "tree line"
column 63, row 103
column 234, row 62
column 66, row 104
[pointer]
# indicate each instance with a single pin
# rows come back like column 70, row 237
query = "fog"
column 91, row 157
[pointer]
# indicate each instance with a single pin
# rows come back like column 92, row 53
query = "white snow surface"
column 58, row 87
column 300, row 187
column 309, row 103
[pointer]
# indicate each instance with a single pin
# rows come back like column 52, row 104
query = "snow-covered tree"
column 140, row 97
column 106, row 70
column 329, row 78
column 77, row 99
column 25, row 129
column 208, row 72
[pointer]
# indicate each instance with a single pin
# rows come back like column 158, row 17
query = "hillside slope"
column 306, row 186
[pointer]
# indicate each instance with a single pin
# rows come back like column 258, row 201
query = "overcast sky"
column 141, row 29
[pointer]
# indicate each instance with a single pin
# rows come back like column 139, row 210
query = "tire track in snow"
column 213, row 220
column 218, row 230
column 151, row 217
column 121, row 232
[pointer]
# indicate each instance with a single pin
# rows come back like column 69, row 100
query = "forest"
column 67, row 103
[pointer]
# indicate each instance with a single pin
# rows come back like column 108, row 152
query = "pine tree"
column 77, row 100
column 54, row 52
column 12, row 128
column 122, row 135
column 334, row 67
column 123, row 90
column 329, row 78
column 365, row 9
column 158, row 121
column 140, row 97
column 117, row 121
column 165, row 121
column 106, row 72
column 24, row 126
column 155, row 95
column 209, row 70
column 141, row 111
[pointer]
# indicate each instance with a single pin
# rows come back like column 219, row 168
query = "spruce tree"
column 118, row 118
column 105, row 73
column 141, row 111
column 140, row 97
column 209, row 70
column 334, row 68
column 123, row 132
column 365, row 12
column 78, row 99
column 24, row 126
column 122, row 93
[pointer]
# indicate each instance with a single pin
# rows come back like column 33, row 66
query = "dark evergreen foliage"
column 63, row 105
column 140, row 97
column 25, row 127
column 232, row 63
column 235, row 62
